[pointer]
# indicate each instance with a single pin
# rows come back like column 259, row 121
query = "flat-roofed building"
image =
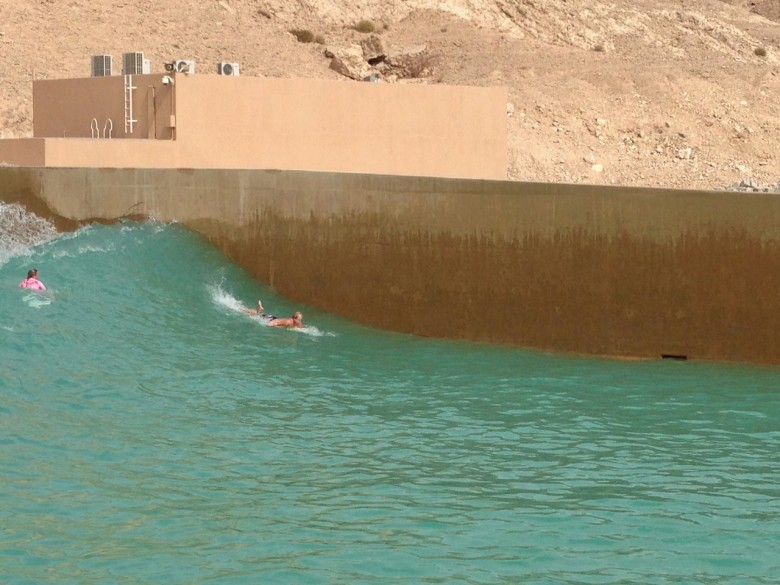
column 178, row 120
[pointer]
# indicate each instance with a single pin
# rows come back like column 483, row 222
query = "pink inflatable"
column 32, row 283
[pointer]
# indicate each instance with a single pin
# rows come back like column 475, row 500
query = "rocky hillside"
column 665, row 93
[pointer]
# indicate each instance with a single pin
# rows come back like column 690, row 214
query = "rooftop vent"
column 101, row 65
column 135, row 64
column 227, row 69
column 180, row 66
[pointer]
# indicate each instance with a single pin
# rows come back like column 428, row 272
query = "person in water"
column 294, row 322
column 32, row 282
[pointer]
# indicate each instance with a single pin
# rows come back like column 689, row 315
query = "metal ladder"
column 129, row 120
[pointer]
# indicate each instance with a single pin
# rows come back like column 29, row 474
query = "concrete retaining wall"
column 610, row 271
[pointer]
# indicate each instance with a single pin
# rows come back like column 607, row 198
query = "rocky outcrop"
column 350, row 62
column 752, row 185
column 370, row 61
column 373, row 49
column 411, row 62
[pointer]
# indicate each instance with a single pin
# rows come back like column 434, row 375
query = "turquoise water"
column 151, row 432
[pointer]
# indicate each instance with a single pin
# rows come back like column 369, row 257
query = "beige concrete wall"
column 345, row 126
column 27, row 152
column 612, row 271
column 262, row 123
column 80, row 152
column 84, row 152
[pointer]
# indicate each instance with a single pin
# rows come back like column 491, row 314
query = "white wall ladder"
column 129, row 120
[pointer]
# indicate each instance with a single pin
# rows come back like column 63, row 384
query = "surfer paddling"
column 32, row 282
column 294, row 322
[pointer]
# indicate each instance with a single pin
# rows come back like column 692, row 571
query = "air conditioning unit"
column 227, row 69
column 184, row 66
column 135, row 64
column 101, row 65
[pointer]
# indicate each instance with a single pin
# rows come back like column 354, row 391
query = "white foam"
column 153, row 226
column 36, row 300
column 83, row 250
column 97, row 249
column 20, row 230
column 224, row 299
column 313, row 331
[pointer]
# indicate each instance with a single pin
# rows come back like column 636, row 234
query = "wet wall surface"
column 601, row 270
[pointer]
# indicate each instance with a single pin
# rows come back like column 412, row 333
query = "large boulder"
column 411, row 62
column 351, row 62
column 373, row 49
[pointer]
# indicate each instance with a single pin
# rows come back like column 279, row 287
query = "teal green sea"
column 153, row 433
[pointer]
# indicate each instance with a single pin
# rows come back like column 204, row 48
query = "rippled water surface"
column 151, row 432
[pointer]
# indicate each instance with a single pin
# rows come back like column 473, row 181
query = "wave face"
column 152, row 432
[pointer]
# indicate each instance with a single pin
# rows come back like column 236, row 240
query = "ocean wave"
column 21, row 230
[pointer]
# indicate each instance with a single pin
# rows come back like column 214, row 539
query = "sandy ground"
column 635, row 92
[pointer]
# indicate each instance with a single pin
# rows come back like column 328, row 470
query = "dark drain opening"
column 673, row 356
